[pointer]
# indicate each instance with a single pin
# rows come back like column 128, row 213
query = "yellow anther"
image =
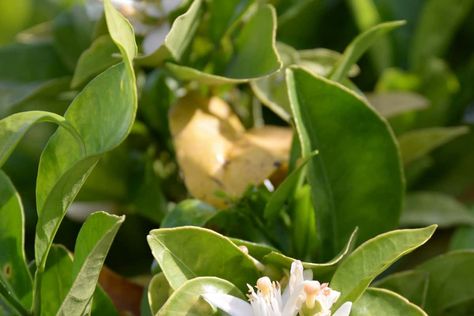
column 264, row 285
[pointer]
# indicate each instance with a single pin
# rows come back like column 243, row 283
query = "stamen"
column 264, row 285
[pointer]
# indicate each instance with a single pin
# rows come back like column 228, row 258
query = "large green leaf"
column 92, row 245
column 415, row 144
column 425, row 208
column 13, row 269
column 384, row 302
column 95, row 59
column 186, row 300
column 361, row 267
column 103, row 114
column 356, row 178
column 434, row 31
column 187, row 252
column 358, row 46
column 15, row 126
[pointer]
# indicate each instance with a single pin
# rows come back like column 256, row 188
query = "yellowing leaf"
column 216, row 154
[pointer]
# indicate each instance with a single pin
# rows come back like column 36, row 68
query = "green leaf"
column 13, row 268
column 463, row 238
column 284, row 191
column 424, row 208
column 418, row 143
column 370, row 259
column 246, row 63
column 256, row 250
column 392, row 104
column 95, row 59
column 431, row 37
column 92, row 245
column 158, row 292
column 102, row 304
column 356, row 178
column 384, row 302
column 187, row 252
column 56, row 279
column 450, row 281
column 15, row 126
column 358, row 46
column 103, row 114
column 223, row 14
column 189, row 212
column 186, row 300
column 411, row 284
column 321, row 271
column 178, row 39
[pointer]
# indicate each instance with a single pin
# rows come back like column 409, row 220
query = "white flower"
column 302, row 296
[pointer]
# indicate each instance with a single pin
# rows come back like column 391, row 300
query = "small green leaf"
column 186, row 300
column 384, row 302
column 178, row 39
column 159, row 291
column 13, row 268
column 284, row 191
column 56, row 279
column 189, row 212
column 187, row 252
column 92, row 245
column 424, row 208
column 356, row 178
column 358, row 47
column 15, row 126
column 370, row 259
column 95, row 59
column 322, row 271
column 418, row 143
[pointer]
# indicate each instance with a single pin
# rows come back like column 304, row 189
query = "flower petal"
column 230, row 304
column 344, row 310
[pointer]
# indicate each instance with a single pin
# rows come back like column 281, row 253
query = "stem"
column 10, row 298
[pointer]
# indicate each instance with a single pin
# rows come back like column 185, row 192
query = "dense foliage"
column 199, row 146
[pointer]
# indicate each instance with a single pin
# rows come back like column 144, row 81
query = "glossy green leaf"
column 179, row 37
column 358, row 47
column 284, row 190
column 431, row 37
column 362, row 187
column 56, row 279
column 370, row 259
column 450, row 281
column 13, row 268
column 412, row 284
column 415, row 144
column 98, row 57
column 15, row 126
column 103, row 114
column 322, row 271
column 392, row 104
column 186, row 300
column 384, row 302
column 425, row 208
column 159, row 291
column 187, row 252
column 92, row 245
column 223, row 14
column 189, row 212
